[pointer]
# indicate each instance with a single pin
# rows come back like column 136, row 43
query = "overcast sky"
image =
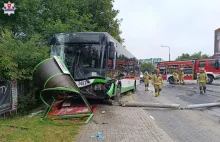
column 187, row 26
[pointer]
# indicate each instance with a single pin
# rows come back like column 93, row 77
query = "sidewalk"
column 123, row 124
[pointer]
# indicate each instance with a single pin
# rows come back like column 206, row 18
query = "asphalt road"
column 195, row 125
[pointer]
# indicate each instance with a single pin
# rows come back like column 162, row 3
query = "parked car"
column 141, row 78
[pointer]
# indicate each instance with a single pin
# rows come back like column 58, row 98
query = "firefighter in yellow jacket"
column 182, row 76
column 157, row 81
column 175, row 77
column 202, row 79
column 146, row 77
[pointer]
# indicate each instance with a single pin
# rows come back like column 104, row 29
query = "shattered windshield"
column 83, row 61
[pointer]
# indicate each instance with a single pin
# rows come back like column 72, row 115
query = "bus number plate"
column 82, row 83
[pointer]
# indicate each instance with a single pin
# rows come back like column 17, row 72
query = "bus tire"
column 171, row 80
column 118, row 93
column 210, row 79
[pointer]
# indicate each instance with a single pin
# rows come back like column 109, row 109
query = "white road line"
column 151, row 117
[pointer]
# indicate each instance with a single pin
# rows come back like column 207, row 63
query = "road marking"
column 151, row 117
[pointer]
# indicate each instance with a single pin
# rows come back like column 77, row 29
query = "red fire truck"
column 190, row 68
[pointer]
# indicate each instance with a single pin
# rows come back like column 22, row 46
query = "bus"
column 101, row 67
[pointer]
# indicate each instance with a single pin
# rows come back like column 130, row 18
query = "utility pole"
column 169, row 50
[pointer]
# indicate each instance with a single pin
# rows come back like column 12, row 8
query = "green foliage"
column 147, row 67
column 46, row 17
column 54, row 16
column 18, row 58
column 103, row 15
column 27, row 101
column 198, row 55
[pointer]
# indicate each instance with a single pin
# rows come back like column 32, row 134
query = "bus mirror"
column 112, row 51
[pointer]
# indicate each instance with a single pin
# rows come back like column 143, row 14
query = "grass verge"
column 25, row 129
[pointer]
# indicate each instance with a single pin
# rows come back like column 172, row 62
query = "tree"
column 147, row 67
column 102, row 14
column 198, row 55
column 45, row 18
column 18, row 58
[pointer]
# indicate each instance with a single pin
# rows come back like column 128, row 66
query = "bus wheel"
column 210, row 79
column 171, row 80
column 118, row 93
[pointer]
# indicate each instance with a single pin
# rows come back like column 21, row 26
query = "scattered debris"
column 145, row 104
column 98, row 136
column 35, row 113
column 202, row 105
column 103, row 112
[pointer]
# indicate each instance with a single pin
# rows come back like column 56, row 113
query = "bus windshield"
column 84, row 61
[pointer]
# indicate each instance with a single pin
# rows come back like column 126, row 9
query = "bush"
column 18, row 58
column 27, row 101
column 17, row 61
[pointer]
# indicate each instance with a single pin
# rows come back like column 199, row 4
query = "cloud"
column 184, row 25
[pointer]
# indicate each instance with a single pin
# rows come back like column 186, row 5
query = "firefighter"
column 146, row 77
column 175, row 77
column 182, row 76
column 157, row 81
column 202, row 79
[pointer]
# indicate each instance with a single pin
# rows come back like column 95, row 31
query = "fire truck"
column 190, row 68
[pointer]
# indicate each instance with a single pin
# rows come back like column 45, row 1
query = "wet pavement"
column 137, row 124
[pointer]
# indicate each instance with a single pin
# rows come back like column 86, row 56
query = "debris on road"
column 202, row 105
column 144, row 104
column 98, row 136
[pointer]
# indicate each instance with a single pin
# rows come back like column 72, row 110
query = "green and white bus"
column 101, row 67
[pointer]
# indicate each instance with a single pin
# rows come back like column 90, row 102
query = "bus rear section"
column 127, row 74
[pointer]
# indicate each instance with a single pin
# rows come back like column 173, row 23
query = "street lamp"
column 169, row 50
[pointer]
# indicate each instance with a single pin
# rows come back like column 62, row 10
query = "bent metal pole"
column 202, row 105
column 144, row 104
